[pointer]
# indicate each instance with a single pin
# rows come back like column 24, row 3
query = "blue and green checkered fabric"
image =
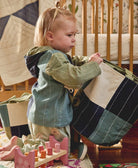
column 107, row 124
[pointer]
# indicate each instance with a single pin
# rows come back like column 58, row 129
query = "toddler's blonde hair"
column 47, row 22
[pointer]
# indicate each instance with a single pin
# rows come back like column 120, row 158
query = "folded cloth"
column 106, row 107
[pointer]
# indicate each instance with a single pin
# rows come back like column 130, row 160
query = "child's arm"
column 79, row 60
column 69, row 75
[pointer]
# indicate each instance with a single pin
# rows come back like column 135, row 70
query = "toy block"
column 43, row 154
column 47, row 144
column 57, row 148
column 50, row 153
column 41, row 148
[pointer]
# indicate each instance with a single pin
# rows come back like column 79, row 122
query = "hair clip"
column 57, row 8
column 55, row 14
column 57, row 4
column 60, row 4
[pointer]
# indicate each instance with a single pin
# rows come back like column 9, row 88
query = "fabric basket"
column 13, row 115
column 106, row 107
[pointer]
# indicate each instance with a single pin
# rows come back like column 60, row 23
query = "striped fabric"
column 107, row 107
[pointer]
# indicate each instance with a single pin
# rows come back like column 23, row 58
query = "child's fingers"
column 98, row 54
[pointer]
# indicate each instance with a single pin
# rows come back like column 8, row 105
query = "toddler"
column 50, row 108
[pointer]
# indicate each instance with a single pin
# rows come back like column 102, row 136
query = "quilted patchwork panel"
column 106, row 108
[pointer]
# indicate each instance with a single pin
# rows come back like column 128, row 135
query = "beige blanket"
column 102, row 43
column 16, row 36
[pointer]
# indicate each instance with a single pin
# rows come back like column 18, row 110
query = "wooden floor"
column 101, row 156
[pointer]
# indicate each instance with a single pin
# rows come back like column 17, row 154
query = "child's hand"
column 96, row 58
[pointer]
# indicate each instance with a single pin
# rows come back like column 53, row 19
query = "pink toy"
column 49, row 151
column 24, row 161
column 47, row 144
column 63, row 145
column 41, row 148
column 57, row 148
column 57, row 153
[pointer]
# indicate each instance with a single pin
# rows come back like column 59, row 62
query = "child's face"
column 64, row 37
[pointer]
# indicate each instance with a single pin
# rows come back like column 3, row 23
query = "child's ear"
column 49, row 36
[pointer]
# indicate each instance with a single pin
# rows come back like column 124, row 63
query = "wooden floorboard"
column 111, row 155
column 103, row 156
